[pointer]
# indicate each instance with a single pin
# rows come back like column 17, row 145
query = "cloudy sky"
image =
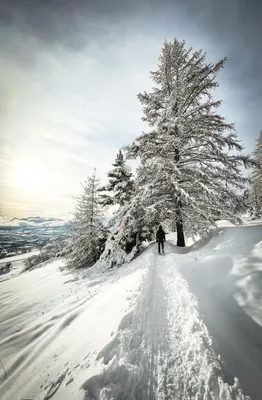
column 70, row 72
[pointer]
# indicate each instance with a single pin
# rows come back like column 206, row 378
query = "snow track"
column 162, row 349
column 129, row 359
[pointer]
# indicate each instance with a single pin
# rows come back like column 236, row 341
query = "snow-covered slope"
column 17, row 265
column 142, row 331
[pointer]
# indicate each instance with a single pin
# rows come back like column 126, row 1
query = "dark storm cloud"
column 233, row 27
column 65, row 20
column 236, row 27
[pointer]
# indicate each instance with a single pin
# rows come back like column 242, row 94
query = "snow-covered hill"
column 151, row 329
column 23, row 234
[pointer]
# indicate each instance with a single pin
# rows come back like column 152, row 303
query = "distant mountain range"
column 19, row 235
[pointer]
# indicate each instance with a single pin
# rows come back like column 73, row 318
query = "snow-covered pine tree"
column 242, row 206
column 257, row 175
column 120, row 186
column 191, row 158
column 135, row 222
column 254, row 203
column 90, row 235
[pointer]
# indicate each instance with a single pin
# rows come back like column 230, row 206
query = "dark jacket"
column 160, row 235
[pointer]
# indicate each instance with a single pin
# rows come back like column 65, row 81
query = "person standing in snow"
column 160, row 238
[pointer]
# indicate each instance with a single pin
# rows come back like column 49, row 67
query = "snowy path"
column 162, row 349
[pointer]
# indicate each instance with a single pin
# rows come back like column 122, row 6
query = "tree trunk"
column 180, row 234
column 179, row 226
column 179, row 218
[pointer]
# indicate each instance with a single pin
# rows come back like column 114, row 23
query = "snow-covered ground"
column 151, row 329
column 17, row 265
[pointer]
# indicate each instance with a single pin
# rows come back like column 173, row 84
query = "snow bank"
column 113, row 255
column 195, row 371
column 225, row 274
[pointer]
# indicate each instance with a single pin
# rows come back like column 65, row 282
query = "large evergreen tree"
column 120, row 186
column 190, row 159
column 89, row 234
column 257, row 175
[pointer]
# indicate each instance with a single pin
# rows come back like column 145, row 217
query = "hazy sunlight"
column 27, row 175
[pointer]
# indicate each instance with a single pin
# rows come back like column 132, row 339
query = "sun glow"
column 27, row 175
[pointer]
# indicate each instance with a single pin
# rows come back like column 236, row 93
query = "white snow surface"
column 17, row 265
column 184, row 326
